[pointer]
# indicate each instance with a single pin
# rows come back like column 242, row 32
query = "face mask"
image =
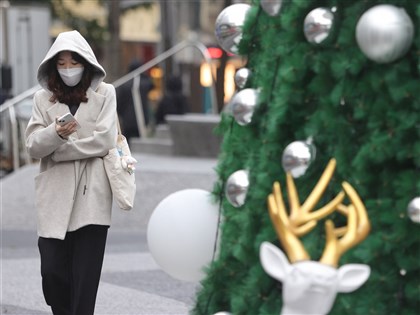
column 71, row 76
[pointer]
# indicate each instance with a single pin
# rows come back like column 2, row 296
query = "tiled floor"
column 132, row 283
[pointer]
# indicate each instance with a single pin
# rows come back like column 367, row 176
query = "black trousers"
column 71, row 269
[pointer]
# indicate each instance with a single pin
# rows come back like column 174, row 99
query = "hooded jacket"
column 72, row 188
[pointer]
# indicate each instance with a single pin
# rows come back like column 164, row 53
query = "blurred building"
column 119, row 31
column 145, row 30
column 24, row 41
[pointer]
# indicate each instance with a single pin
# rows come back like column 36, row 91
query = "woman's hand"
column 66, row 130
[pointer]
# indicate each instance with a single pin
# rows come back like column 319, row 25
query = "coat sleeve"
column 41, row 137
column 103, row 138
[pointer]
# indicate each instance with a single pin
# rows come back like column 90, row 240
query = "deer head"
column 310, row 287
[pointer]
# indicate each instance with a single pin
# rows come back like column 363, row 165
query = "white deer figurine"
column 310, row 287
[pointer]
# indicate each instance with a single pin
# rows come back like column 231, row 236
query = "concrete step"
column 193, row 134
column 162, row 132
column 151, row 146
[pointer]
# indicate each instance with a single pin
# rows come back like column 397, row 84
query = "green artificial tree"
column 362, row 112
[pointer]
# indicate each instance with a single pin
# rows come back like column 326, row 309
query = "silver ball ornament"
column 318, row 24
column 237, row 188
column 241, row 77
column 229, row 24
column 414, row 210
column 243, row 105
column 271, row 7
column 384, row 33
column 297, row 157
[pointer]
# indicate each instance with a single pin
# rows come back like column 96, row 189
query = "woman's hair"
column 66, row 94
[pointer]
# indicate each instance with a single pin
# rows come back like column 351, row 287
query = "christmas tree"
column 319, row 80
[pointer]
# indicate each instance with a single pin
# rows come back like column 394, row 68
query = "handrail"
column 17, row 99
column 153, row 62
column 10, row 103
column 172, row 51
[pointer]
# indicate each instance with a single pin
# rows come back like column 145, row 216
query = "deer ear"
column 352, row 276
column 274, row 261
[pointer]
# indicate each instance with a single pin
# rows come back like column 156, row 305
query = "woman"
column 73, row 196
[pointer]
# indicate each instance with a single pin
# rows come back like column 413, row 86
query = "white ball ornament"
column 229, row 24
column 318, row 25
column 384, row 33
column 237, row 187
column 271, row 7
column 414, row 210
column 182, row 233
column 297, row 157
column 241, row 77
column 243, row 105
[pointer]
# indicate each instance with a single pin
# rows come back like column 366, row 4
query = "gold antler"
column 292, row 245
column 301, row 219
column 358, row 227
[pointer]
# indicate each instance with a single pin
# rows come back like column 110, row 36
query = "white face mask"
column 71, row 76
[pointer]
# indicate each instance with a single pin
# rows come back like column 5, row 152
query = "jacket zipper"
column 86, row 180
column 80, row 179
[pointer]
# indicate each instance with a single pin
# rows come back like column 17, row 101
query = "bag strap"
column 118, row 126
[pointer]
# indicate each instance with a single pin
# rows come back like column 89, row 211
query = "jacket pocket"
column 54, row 190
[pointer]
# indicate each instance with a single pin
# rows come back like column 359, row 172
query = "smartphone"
column 66, row 118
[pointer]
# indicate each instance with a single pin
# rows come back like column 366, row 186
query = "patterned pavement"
column 132, row 283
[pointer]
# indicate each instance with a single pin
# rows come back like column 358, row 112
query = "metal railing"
column 10, row 104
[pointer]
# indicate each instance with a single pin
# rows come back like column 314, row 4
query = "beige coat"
column 72, row 189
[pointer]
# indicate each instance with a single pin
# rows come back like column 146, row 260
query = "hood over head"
column 75, row 42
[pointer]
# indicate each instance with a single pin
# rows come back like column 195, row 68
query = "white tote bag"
column 119, row 166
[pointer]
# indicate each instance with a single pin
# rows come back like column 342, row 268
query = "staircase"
column 160, row 143
column 185, row 135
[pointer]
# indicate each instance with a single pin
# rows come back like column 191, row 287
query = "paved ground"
column 132, row 283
